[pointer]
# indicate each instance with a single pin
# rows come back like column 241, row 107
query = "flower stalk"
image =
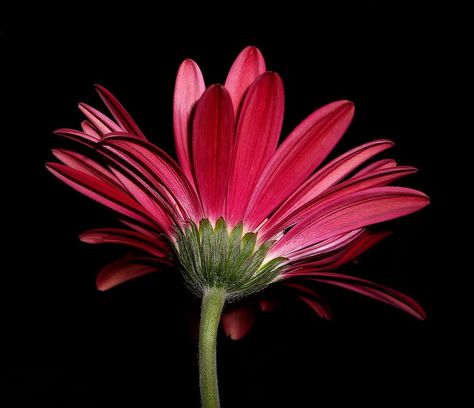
column 212, row 304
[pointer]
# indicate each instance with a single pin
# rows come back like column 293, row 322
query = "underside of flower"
column 216, row 257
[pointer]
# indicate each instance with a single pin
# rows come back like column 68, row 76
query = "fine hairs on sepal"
column 213, row 257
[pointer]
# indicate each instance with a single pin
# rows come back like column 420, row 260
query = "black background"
column 69, row 345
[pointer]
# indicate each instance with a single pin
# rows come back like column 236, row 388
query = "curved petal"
column 258, row 130
column 124, row 270
column 344, row 189
column 89, row 129
column 248, row 65
column 155, row 247
column 326, row 177
column 367, row 288
column 155, row 170
column 298, row 156
column 212, row 145
column 351, row 212
column 238, row 321
column 188, row 89
column 100, row 121
column 123, row 118
column 99, row 190
column 90, row 140
column 378, row 165
column 312, row 299
column 83, row 163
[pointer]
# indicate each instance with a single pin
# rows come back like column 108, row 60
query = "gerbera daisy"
column 240, row 211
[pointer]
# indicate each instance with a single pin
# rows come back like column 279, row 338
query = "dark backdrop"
column 69, row 345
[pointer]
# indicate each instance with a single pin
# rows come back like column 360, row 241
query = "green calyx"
column 213, row 257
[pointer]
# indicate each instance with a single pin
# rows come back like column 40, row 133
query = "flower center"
column 213, row 257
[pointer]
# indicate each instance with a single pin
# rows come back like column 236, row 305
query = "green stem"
column 211, row 309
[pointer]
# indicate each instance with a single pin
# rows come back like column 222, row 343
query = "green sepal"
column 213, row 257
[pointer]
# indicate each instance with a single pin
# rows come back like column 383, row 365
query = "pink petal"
column 367, row 288
column 89, row 129
column 326, row 177
column 298, row 156
column 343, row 253
column 344, row 189
column 330, row 245
column 212, row 145
column 258, row 130
column 98, row 190
column 83, row 163
column 90, row 140
column 129, row 238
column 123, row 118
column 153, row 169
column 122, row 271
column 188, row 89
column 101, row 122
column 351, row 212
column 237, row 322
column 378, row 165
column 245, row 69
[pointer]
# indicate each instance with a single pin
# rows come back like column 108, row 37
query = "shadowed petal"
column 258, row 130
column 238, row 321
column 367, row 288
column 212, row 144
column 123, row 118
column 124, row 270
column 188, row 89
column 312, row 299
column 298, row 156
column 248, row 65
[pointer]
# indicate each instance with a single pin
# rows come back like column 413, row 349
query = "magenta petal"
column 100, row 121
column 378, row 165
column 83, row 163
column 89, row 129
column 90, row 140
column 324, row 178
column 237, row 322
column 258, row 130
column 351, row 212
column 155, row 171
column 344, row 189
column 298, row 156
column 155, row 247
column 98, row 190
column 122, row 271
column 212, row 145
column 123, row 118
column 188, row 89
column 245, row 69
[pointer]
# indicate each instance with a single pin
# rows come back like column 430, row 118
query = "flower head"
column 240, row 211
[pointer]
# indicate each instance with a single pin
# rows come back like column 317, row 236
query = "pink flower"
column 289, row 217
